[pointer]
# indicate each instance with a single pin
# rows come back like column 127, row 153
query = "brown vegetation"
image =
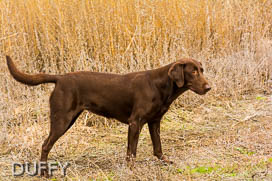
column 233, row 39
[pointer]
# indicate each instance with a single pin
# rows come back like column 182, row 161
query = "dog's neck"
column 168, row 89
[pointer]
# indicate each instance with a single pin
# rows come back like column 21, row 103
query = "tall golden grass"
column 232, row 37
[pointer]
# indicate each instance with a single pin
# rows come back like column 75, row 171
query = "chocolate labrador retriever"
column 134, row 98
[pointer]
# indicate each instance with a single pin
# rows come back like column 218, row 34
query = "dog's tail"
column 29, row 79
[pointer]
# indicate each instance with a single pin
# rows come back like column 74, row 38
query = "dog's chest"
column 157, row 111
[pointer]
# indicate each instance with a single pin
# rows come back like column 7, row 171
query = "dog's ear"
column 176, row 72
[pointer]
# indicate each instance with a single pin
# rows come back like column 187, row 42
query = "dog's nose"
column 207, row 87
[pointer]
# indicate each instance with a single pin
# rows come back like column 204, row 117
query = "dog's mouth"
column 198, row 91
column 201, row 90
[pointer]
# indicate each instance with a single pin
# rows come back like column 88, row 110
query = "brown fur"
column 134, row 99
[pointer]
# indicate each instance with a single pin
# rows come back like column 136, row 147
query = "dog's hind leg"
column 59, row 125
column 62, row 118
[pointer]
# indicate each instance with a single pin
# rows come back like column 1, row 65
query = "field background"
column 224, row 135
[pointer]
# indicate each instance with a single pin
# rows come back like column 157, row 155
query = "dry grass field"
column 224, row 135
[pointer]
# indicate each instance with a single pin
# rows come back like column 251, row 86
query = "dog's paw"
column 165, row 160
column 44, row 173
column 130, row 162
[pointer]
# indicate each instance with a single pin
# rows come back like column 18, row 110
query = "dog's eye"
column 195, row 72
column 202, row 70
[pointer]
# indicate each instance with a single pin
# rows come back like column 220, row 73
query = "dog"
column 135, row 98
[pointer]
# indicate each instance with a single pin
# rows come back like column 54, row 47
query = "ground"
column 214, row 140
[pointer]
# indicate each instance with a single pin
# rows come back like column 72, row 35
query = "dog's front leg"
column 134, row 130
column 154, row 130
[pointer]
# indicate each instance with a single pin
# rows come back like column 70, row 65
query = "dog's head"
column 188, row 73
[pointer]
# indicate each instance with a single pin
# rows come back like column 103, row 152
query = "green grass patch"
column 260, row 98
column 203, row 170
column 245, row 151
